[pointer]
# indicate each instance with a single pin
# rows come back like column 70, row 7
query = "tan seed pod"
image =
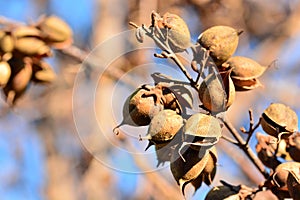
column 212, row 94
column 279, row 120
column 185, row 172
column 56, row 30
column 42, row 72
column 5, row 73
column 223, row 192
column 26, row 31
column 280, row 175
column 31, row 46
column 228, row 86
column 245, row 72
column 293, row 183
column 221, row 41
column 209, row 171
column 175, row 30
column 21, row 74
column 139, row 109
column 201, row 130
column 6, row 43
column 294, row 146
column 164, row 126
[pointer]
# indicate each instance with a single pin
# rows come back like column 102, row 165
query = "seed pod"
column 139, row 109
column 185, row 172
column 280, row 175
column 293, row 183
column 20, row 78
column 177, row 98
column 56, row 30
column 6, row 43
column 5, row 73
column 202, row 130
column 221, row 41
column 245, row 72
column 175, row 30
column 31, row 46
column 279, row 120
column 228, row 86
column 209, row 171
column 42, row 72
column 26, row 31
column 294, row 146
column 212, row 94
column 223, row 192
column 164, row 126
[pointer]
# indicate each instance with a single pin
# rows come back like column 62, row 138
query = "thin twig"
column 245, row 147
column 230, row 140
column 252, row 128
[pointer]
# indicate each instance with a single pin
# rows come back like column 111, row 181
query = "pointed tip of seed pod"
column 149, row 144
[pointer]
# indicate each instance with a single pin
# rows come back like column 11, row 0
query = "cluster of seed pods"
column 22, row 52
column 188, row 141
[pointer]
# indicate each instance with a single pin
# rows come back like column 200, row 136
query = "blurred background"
column 45, row 155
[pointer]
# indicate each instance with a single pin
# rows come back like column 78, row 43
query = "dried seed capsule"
column 175, row 30
column 31, row 46
column 223, row 192
column 6, row 43
column 202, row 130
column 279, row 120
column 56, row 30
column 26, row 31
column 221, row 41
column 293, row 183
column 164, row 126
column 5, row 73
column 139, row 108
column 280, row 175
column 245, row 72
column 20, row 78
column 185, row 172
column 294, row 146
column 42, row 72
column 212, row 94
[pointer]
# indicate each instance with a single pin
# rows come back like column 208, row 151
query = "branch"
column 247, row 150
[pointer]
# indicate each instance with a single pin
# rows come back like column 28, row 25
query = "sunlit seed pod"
column 293, row 184
column 139, row 109
column 279, row 120
column 55, row 29
column 245, row 71
column 176, row 31
column 221, row 41
column 20, row 78
column 26, row 31
column 280, row 175
column 42, row 72
column 246, row 85
column 202, row 130
column 222, row 192
column 5, row 73
column 228, row 87
column 294, row 146
column 164, row 126
column 6, row 43
column 186, row 171
column 212, row 94
column 31, row 46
